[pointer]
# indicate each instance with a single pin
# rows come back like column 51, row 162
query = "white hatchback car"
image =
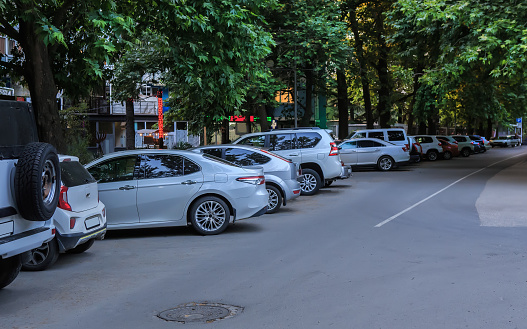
column 158, row 188
column 80, row 218
column 373, row 152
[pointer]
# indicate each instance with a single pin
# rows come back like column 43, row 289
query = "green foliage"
column 77, row 137
column 182, row 146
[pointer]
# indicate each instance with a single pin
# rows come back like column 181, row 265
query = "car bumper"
column 292, row 189
column 346, row 172
column 70, row 241
column 260, row 212
column 15, row 244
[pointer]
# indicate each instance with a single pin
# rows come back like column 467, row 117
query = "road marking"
column 441, row 190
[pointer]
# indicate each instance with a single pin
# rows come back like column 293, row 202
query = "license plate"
column 91, row 222
column 7, row 228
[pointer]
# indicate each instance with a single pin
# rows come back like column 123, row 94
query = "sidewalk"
column 503, row 201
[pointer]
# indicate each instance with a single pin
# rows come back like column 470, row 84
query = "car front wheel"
column 42, row 257
column 311, row 182
column 210, row 215
column 385, row 163
column 465, row 152
column 275, row 199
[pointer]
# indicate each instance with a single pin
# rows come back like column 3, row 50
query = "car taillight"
column 255, row 180
column 276, row 155
column 73, row 220
column 439, row 144
column 334, row 149
column 63, row 198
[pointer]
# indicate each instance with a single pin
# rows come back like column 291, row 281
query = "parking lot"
column 431, row 245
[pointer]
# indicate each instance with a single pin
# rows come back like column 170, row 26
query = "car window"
column 307, row 140
column 459, row 138
column 216, row 152
column 376, row 134
column 161, row 166
column 72, row 173
column 243, row 157
column 115, row 170
column 190, row 167
column 359, row 135
column 279, row 142
column 395, row 135
column 257, row 140
column 349, row 145
column 364, row 144
column 377, row 144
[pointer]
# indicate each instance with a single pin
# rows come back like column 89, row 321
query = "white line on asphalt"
column 441, row 190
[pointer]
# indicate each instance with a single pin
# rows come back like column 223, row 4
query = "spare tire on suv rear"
column 37, row 182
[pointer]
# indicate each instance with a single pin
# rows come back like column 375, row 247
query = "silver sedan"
column 281, row 175
column 156, row 188
column 373, row 152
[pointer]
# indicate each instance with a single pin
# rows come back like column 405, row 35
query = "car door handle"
column 126, row 187
column 294, row 154
column 188, row 182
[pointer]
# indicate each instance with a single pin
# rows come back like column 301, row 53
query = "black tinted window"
column 363, row 144
column 307, row 140
column 73, row 174
column 161, row 166
column 190, row 167
column 395, row 135
column 215, row 152
column 459, row 138
column 243, row 157
column 258, row 141
column 115, row 170
column 281, row 142
column 377, row 144
column 376, row 134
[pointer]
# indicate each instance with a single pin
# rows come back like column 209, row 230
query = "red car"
column 449, row 149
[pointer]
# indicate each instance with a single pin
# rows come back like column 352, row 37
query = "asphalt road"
column 435, row 245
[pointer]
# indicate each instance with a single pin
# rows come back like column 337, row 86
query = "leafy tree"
column 62, row 45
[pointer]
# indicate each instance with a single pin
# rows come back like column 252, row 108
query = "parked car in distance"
column 159, row 188
column 29, row 188
column 80, row 218
column 374, row 152
column 313, row 148
column 465, row 145
column 505, row 141
column 393, row 135
column 449, row 149
column 481, row 143
column 416, row 150
column 282, row 179
column 432, row 147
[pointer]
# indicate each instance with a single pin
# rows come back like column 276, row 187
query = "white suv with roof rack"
column 312, row 148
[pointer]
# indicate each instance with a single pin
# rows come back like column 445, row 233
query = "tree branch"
column 8, row 30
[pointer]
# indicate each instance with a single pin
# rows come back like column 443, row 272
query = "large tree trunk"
column 385, row 84
column 343, row 102
column 308, row 111
column 42, row 87
column 130, row 129
column 362, row 69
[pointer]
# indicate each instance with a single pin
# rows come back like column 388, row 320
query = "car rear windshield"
column 220, row 160
column 74, row 174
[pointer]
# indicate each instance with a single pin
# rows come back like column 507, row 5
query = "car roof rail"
column 297, row 128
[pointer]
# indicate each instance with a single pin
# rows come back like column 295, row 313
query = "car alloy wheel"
column 385, row 163
column 432, row 155
column 311, row 182
column 275, row 199
column 465, row 152
column 210, row 215
column 447, row 155
column 42, row 257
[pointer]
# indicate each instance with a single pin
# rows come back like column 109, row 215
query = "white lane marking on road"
column 441, row 190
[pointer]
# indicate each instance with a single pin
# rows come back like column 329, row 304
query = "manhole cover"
column 199, row 312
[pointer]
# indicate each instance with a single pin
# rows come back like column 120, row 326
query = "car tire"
column 385, row 163
column 447, row 155
column 465, row 152
column 311, row 182
column 275, row 199
column 209, row 215
column 42, row 257
column 81, row 247
column 432, row 155
column 9, row 269
column 37, row 182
